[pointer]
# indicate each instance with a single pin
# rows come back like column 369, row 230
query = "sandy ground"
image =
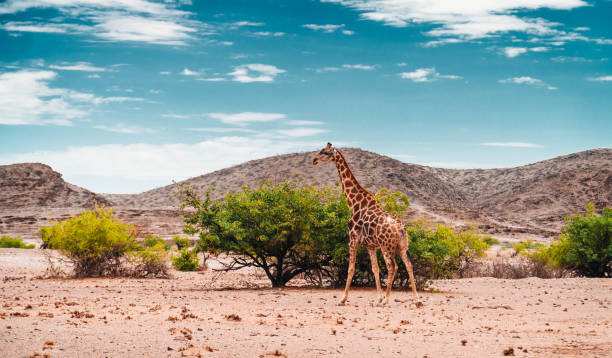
column 238, row 315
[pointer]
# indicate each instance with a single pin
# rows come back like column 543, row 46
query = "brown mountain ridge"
column 525, row 201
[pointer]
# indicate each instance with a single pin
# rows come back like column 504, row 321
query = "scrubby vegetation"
column 284, row 229
column 584, row 246
column 181, row 242
column 97, row 244
column 288, row 230
column 186, row 261
column 156, row 243
column 14, row 242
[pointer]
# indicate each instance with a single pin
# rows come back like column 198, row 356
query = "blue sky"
column 123, row 96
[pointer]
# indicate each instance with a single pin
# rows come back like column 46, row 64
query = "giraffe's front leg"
column 376, row 272
column 351, row 269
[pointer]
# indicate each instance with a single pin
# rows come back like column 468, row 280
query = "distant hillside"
column 35, row 184
column 526, row 201
column 531, row 199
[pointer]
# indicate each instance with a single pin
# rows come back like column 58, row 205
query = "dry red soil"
column 238, row 315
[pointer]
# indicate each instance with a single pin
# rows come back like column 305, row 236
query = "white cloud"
column 221, row 130
column 140, row 166
column 27, row 99
column 95, row 75
column 29, row 26
column 165, row 73
column 328, row 69
column 301, row 132
column 114, row 20
column 348, row 32
column 527, row 80
column 328, row 28
column 212, row 79
column 255, row 72
column 601, row 79
column 511, row 144
column 188, row 72
column 359, row 67
column 141, row 29
column 78, row 66
column 426, row 75
column 269, row 33
column 514, row 51
column 155, row 91
column 460, row 21
column 304, row 123
column 176, row 116
column 570, row 59
column 124, row 128
column 244, row 118
column 247, row 23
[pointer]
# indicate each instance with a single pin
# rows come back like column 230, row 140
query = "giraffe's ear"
column 329, row 145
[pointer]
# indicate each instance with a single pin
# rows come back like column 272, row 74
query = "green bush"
column 152, row 241
column 490, row 240
column 150, row 261
column 283, row 229
column 527, row 246
column 93, row 240
column 585, row 245
column 186, row 261
column 14, row 242
column 181, row 242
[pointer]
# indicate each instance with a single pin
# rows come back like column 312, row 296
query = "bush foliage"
column 585, row 245
column 156, row 243
column 181, row 242
column 288, row 230
column 186, row 261
column 98, row 244
column 283, row 229
column 14, row 242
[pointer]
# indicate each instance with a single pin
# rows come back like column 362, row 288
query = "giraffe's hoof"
column 342, row 303
column 380, row 298
column 419, row 304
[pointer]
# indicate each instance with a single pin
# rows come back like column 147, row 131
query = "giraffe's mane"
column 358, row 185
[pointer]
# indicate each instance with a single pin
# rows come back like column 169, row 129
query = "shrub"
column 394, row 202
column 14, row 242
column 527, row 246
column 491, row 240
column 283, row 229
column 585, row 245
column 186, row 261
column 94, row 241
column 152, row 241
column 148, row 262
column 181, row 242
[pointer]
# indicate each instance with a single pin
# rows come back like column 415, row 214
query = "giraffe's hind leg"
column 392, row 269
column 376, row 272
column 408, row 264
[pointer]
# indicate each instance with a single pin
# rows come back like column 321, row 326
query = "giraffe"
column 371, row 226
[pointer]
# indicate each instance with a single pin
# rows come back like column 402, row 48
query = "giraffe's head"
column 325, row 155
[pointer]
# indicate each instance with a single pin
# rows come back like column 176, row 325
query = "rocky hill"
column 525, row 201
column 37, row 185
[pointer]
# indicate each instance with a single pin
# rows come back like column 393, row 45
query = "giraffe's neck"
column 356, row 196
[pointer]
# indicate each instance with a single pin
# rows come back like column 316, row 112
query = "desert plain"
column 238, row 314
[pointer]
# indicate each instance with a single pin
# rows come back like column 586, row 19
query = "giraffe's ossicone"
column 370, row 226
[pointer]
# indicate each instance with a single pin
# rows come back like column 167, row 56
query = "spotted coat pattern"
column 370, row 226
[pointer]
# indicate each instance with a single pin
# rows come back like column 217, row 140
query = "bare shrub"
column 512, row 268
